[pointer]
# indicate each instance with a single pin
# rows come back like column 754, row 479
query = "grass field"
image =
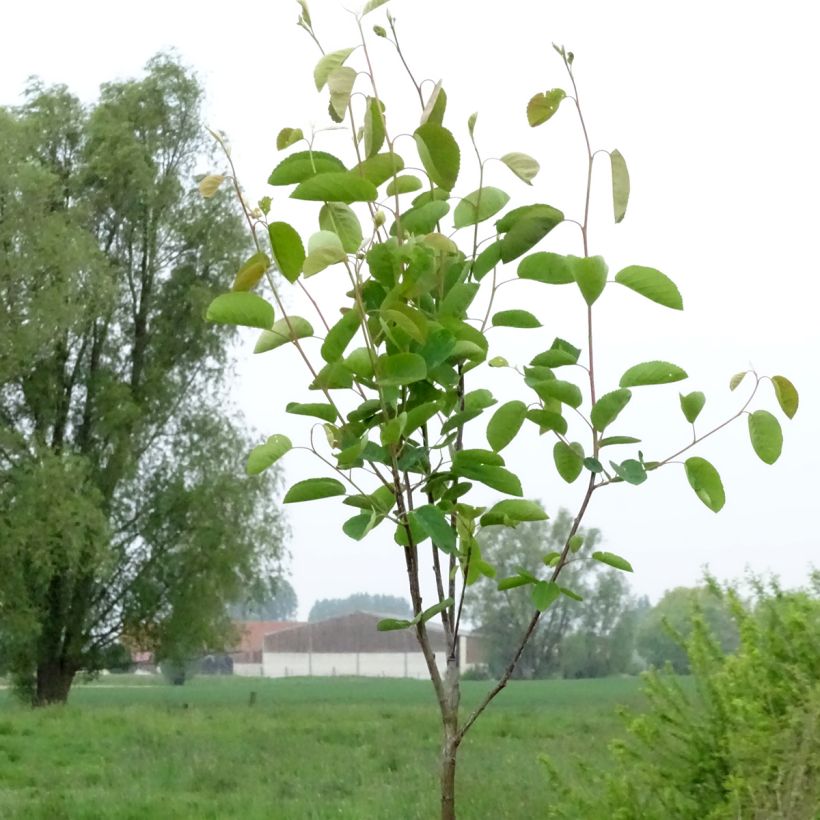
column 309, row 748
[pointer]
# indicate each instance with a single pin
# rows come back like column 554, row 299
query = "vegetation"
column 273, row 599
column 742, row 741
column 360, row 602
column 124, row 513
column 398, row 374
column 594, row 637
column 309, row 748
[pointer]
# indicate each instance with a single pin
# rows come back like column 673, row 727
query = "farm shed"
column 351, row 645
column 247, row 653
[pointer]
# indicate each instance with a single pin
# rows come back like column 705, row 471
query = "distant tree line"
column 608, row 631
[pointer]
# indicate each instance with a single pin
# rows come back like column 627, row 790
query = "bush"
column 739, row 739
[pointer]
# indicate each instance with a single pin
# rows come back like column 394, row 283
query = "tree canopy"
column 120, row 466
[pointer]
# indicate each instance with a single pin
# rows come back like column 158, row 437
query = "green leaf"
column 372, row 5
column 705, row 481
column 400, row 368
column 471, row 121
column 266, row 454
column 692, row 404
column 608, row 407
column 544, row 594
column 486, row 260
column 341, row 220
column 312, row 489
column 324, row 249
column 392, row 624
column 459, row 420
column 493, row 476
column 620, row 184
column 505, row 424
column 593, row 465
column 392, row 429
column 590, row 274
column 525, row 227
column 432, row 520
column 652, row 284
column 522, row 165
column 513, row 510
column 423, row 220
column 240, row 308
column 515, row 318
column 549, row 268
column 360, row 525
column 436, row 609
column 766, row 436
column 328, row 64
column 561, row 353
column 403, row 185
column 303, row 165
column 379, row 168
column 288, row 250
column 613, row 440
column 420, row 415
column 479, row 399
column 333, row 376
column 281, row 333
column 575, row 543
column 542, row 106
column 735, row 381
column 435, row 106
column 569, row 460
column 287, row 137
column 374, row 132
column 481, row 204
column 513, row 582
column 786, row 395
column 460, row 297
column 340, row 336
column 326, row 412
column 439, row 154
column 631, row 471
column 248, row 276
column 336, row 187
column 565, row 392
column 612, row 560
column 340, row 82
column 547, row 420
column 570, row 594
column 656, row 372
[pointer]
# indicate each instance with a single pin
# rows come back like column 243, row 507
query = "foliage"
column 666, row 627
column 118, row 466
column 270, row 599
column 360, row 602
column 743, row 741
column 411, row 425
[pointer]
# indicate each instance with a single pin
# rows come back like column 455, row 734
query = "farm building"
column 351, row 645
column 247, row 654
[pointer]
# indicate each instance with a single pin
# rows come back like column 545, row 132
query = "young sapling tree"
column 403, row 429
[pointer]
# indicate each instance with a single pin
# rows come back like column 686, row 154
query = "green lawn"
column 308, row 748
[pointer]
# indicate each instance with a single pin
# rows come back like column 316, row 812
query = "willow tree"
column 403, row 378
column 123, row 510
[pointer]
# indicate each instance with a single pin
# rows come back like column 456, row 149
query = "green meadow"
column 132, row 747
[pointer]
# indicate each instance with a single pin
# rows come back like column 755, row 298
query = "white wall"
column 248, row 670
column 365, row 664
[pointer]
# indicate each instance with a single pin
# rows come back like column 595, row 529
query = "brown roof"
column 350, row 633
column 252, row 633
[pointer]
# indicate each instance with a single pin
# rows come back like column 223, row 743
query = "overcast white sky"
column 713, row 106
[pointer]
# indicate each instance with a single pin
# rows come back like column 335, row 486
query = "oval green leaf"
column 505, row 424
column 705, row 481
column 608, row 407
column 515, row 318
column 312, row 489
column 525, row 227
column 340, row 336
column 403, row 185
column 766, row 436
column 691, row 404
column 303, row 165
column 336, row 187
column 479, row 205
column 326, row 412
column 545, row 593
column 282, row 332
column 590, row 273
column 288, row 250
column 522, row 165
column 400, row 368
column 328, row 64
column 652, row 284
column 786, row 395
column 439, row 154
column 263, row 456
column 549, row 268
column 241, row 308
column 569, row 460
column 612, row 560
column 656, row 372
column 542, row 106
column 341, row 220
column 620, row 184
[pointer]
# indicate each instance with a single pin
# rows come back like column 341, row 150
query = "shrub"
column 739, row 739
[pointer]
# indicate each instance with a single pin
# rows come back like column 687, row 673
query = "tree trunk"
column 54, row 679
column 449, row 748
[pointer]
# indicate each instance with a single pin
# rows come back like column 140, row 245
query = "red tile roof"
column 252, row 633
